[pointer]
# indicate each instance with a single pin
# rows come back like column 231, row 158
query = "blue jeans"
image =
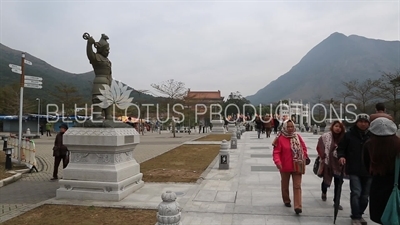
column 359, row 193
column 258, row 132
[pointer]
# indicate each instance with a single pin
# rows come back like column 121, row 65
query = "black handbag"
column 317, row 164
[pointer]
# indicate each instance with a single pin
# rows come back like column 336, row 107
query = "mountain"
column 321, row 71
column 51, row 77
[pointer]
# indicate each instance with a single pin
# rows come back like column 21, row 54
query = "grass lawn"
column 84, row 215
column 185, row 163
column 215, row 137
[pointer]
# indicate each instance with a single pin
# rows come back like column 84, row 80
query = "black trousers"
column 57, row 161
column 324, row 187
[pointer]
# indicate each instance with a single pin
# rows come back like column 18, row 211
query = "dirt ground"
column 182, row 164
column 3, row 171
column 83, row 215
column 215, row 137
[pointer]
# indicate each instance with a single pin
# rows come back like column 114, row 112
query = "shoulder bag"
column 391, row 214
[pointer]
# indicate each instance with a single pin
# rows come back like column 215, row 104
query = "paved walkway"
column 247, row 193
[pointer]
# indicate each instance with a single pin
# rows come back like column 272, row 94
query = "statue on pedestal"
column 102, row 68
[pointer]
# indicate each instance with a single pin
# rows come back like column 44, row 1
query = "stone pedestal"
column 234, row 140
column 217, row 127
column 101, row 165
column 169, row 210
column 231, row 127
column 224, row 156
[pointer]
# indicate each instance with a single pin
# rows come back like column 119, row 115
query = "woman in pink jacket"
column 290, row 157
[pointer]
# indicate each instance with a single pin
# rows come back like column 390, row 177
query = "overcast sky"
column 209, row 45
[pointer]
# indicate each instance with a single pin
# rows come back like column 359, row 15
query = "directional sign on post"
column 28, row 62
column 32, row 81
column 16, row 71
column 12, row 66
column 37, row 86
column 27, row 77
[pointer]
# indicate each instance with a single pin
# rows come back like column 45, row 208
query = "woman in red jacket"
column 290, row 157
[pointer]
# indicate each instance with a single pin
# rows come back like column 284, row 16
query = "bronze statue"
column 102, row 69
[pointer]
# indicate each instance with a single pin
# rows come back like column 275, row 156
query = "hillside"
column 321, row 71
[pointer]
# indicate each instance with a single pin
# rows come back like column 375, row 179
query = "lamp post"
column 38, row 120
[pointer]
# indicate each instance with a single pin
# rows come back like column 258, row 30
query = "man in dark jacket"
column 60, row 151
column 349, row 153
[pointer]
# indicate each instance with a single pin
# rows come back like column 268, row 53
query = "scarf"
column 297, row 150
column 327, row 140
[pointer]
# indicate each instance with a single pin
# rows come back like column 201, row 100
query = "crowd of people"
column 365, row 154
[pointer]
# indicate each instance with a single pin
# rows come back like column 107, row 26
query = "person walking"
column 258, row 125
column 268, row 124
column 49, row 127
column 349, row 152
column 276, row 124
column 380, row 111
column 380, row 153
column 60, row 151
column 41, row 128
column 326, row 148
column 290, row 157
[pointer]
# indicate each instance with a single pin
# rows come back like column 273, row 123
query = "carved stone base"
column 218, row 127
column 101, row 165
column 231, row 127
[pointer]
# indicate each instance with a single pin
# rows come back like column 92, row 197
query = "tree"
column 67, row 96
column 236, row 99
column 10, row 98
column 362, row 93
column 173, row 89
column 175, row 92
column 344, row 95
column 388, row 90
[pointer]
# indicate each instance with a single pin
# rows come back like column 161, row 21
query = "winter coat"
column 282, row 153
column 59, row 149
column 381, row 188
column 351, row 148
column 259, row 123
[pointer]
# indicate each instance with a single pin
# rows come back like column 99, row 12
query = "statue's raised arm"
column 89, row 50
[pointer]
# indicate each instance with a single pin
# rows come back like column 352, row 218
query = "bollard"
column 315, row 129
column 233, row 140
column 169, row 211
column 8, row 152
column 224, row 156
column 238, row 134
